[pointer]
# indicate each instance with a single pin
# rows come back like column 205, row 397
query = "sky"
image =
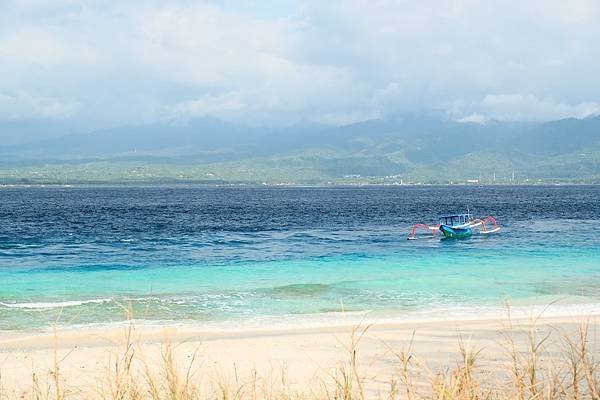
column 267, row 62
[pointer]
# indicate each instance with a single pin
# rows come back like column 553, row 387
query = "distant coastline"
column 167, row 183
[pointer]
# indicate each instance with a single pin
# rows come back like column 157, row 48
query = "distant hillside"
column 407, row 147
column 562, row 136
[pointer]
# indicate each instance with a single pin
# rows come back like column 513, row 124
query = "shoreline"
column 76, row 185
column 311, row 323
column 266, row 323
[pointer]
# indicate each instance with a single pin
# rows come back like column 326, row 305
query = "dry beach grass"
column 534, row 359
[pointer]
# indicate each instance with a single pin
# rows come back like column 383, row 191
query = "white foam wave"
column 454, row 313
column 341, row 319
column 57, row 304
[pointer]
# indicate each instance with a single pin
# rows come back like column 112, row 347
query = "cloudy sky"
column 285, row 61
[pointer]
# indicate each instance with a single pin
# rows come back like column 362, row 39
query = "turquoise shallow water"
column 211, row 255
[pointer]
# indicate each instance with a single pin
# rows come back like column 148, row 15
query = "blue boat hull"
column 455, row 233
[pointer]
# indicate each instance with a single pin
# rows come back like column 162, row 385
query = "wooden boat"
column 456, row 226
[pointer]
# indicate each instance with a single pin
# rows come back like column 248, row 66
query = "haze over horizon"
column 84, row 65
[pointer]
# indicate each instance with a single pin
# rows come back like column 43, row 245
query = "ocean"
column 250, row 256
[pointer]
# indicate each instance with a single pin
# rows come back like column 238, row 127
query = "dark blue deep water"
column 209, row 255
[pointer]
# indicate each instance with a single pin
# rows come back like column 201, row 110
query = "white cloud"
column 210, row 105
column 324, row 61
column 473, row 118
column 32, row 46
column 24, row 105
column 529, row 107
column 520, row 107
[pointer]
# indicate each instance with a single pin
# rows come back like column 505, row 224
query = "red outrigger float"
column 455, row 226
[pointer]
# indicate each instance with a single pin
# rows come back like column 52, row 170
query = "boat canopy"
column 455, row 219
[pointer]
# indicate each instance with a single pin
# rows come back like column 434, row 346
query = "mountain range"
column 407, row 148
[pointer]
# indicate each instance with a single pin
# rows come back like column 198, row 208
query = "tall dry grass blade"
column 405, row 357
column 588, row 364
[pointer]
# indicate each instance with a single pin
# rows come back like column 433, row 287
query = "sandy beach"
column 298, row 359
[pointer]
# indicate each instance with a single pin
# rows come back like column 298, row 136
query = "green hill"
column 399, row 148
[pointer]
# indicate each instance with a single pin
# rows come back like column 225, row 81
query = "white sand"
column 309, row 355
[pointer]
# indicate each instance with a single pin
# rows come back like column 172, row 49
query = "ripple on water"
column 204, row 254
